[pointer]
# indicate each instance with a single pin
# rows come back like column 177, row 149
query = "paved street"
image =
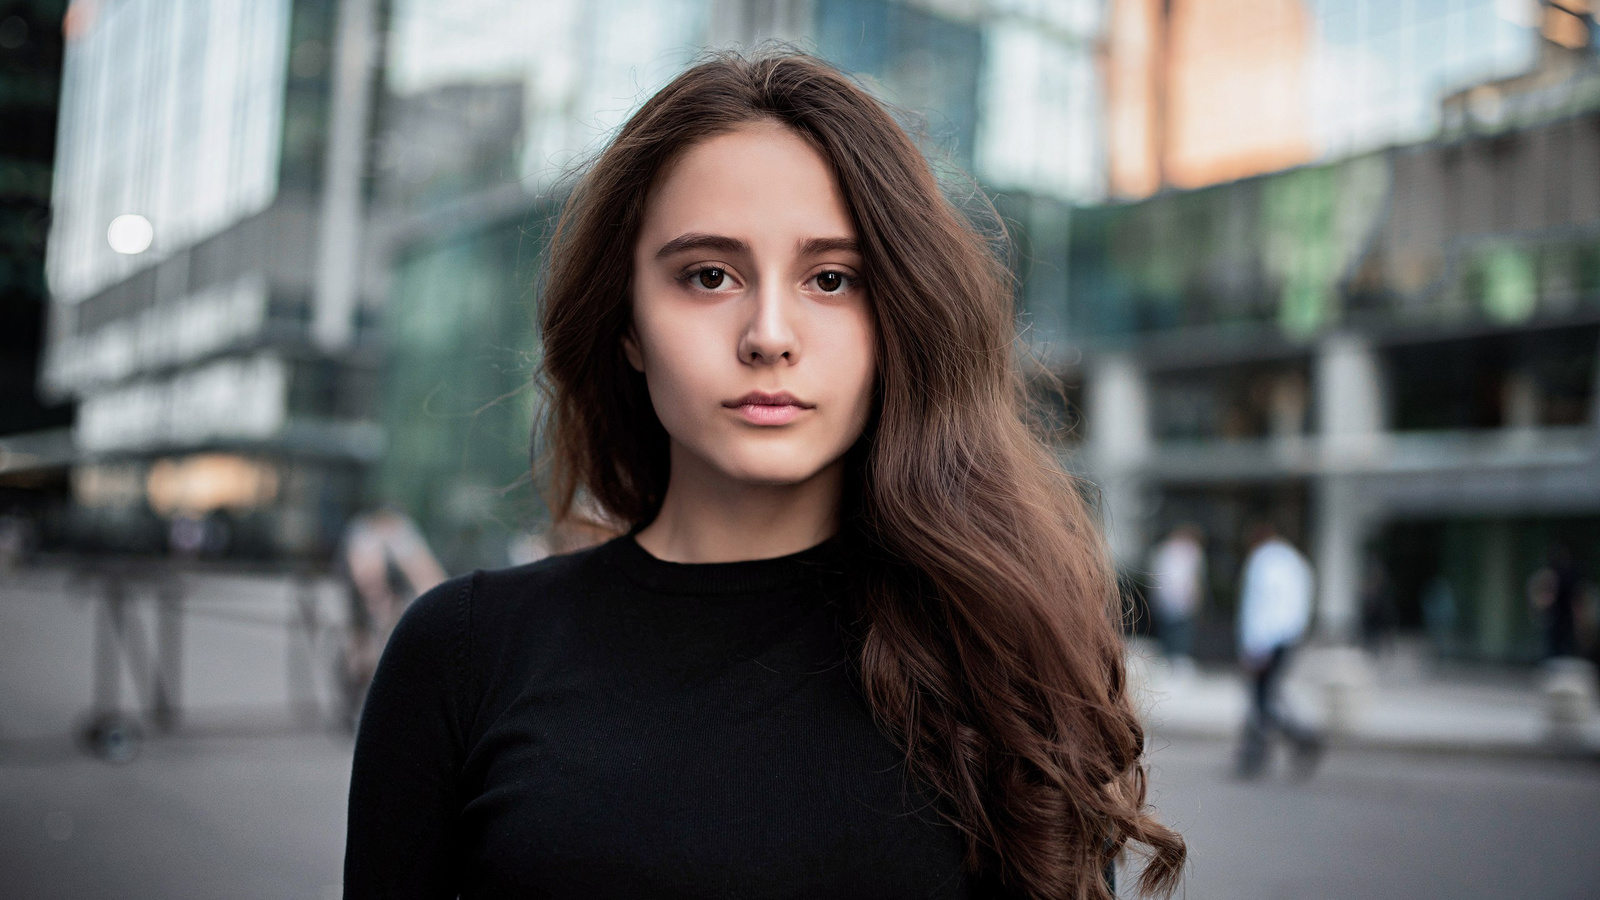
column 241, row 816
column 1376, row 826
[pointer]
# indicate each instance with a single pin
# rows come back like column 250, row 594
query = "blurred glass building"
column 1361, row 296
column 295, row 242
column 194, row 285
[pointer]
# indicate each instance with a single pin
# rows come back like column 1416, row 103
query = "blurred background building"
column 194, row 190
column 1333, row 262
column 1349, row 278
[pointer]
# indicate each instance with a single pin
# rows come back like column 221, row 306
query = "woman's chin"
column 771, row 472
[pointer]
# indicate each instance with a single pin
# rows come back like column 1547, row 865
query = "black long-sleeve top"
column 607, row 724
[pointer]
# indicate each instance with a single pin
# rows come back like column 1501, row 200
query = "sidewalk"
column 243, row 657
column 1400, row 703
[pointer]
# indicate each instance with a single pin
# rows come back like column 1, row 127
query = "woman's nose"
column 769, row 336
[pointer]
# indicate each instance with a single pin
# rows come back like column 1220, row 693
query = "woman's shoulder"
column 489, row 597
column 511, row 596
column 557, row 573
column 476, row 622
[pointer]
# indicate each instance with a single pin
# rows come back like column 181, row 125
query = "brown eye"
column 710, row 279
column 830, row 281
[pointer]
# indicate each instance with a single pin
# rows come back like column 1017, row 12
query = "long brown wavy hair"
column 988, row 627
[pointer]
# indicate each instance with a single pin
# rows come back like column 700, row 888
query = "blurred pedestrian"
column 1553, row 592
column 1177, row 572
column 1274, row 614
column 386, row 563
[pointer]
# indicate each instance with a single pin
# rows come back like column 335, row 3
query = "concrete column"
column 338, row 274
column 1350, row 430
column 1349, row 400
column 1338, row 527
column 1119, row 443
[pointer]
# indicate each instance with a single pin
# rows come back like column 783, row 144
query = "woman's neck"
column 707, row 517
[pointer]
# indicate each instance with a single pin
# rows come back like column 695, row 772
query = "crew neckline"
column 743, row 576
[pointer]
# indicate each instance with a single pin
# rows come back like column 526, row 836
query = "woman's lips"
column 762, row 408
column 769, row 414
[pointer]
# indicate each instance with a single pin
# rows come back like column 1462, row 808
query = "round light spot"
column 130, row 233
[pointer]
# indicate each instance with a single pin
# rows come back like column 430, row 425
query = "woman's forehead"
column 761, row 183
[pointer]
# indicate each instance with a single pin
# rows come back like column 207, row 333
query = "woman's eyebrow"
column 815, row 246
column 731, row 245
column 698, row 241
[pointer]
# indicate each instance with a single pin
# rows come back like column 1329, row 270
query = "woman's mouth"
column 759, row 408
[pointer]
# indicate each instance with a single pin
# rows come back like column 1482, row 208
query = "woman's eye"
column 711, row 278
column 832, row 282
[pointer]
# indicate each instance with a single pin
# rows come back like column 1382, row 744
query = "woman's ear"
column 630, row 348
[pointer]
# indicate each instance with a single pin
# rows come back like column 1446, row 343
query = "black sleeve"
column 405, row 804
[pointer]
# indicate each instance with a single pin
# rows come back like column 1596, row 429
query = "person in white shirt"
column 1177, row 573
column 1274, row 614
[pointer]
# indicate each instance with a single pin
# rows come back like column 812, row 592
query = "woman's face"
column 751, row 323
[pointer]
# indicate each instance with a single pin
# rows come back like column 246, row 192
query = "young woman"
column 856, row 633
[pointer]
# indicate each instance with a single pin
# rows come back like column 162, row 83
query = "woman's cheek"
column 861, row 344
column 686, row 383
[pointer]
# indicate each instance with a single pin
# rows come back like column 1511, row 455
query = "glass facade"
column 926, row 66
column 1452, row 578
column 1379, row 67
column 305, row 97
column 575, row 70
column 1495, row 231
column 1004, row 90
column 174, row 112
column 1271, row 251
column 456, row 392
column 1009, row 93
column 1041, row 95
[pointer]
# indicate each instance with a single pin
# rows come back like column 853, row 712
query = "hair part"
column 987, row 627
